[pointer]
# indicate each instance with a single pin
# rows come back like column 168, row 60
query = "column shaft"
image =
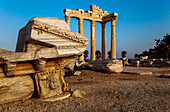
column 81, row 26
column 103, row 40
column 93, row 40
column 81, row 58
column 67, row 20
column 113, row 40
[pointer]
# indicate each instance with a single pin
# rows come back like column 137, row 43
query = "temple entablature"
column 95, row 14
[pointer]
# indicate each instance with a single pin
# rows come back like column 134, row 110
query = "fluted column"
column 81, row 58
column 113, row 39
column 92, row 40
column 68, row 20
column 103, row 40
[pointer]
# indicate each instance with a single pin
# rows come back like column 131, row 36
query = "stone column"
column 68, row 20
column 93, row 40
column 81, row 26
column 113, row 39
column 81, row 58
column 103, row 40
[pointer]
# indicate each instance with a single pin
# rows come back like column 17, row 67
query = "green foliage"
column 98, row 54
column 161, row 50
column 164, row 43
column 124, row 53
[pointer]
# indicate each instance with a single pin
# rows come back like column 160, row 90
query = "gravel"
column 105, row 92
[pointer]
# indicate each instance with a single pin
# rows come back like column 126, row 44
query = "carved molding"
column 95, row 14
column 10, row 68
column 60, row 32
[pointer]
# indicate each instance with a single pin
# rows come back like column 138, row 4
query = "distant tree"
column 123, row 58
column 164, row 43
column 136, row 56
column 86, row 53
column 109, row 54
column 124, row 53
column 161, row 49
column 98, row 54
column 145, row 53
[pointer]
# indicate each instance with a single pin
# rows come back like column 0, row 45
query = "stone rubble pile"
column 46, row 49
column 149, row 62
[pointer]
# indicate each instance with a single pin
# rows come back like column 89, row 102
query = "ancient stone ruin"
column 45, row 49
column 95, row 15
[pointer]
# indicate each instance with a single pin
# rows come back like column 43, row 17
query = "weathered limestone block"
column 48, row 32
column 10, row 68
column 66, row 63
column 43, row 39
column 77, row 73
column 106, row 65
column 15, row 88
column 40, row 65
column 50, row 83
column 1, row 72
column 79, row 94
column 57, row 98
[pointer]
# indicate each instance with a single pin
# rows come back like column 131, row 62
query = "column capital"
column 80, row 20
column 67, row 17
column 93, row 22
column 68, row 20
column 113, row 22
column 103, row 22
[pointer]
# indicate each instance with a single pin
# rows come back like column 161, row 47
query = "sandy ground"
column 107, row 92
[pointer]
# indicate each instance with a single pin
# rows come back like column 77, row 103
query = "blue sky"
column 139, row 21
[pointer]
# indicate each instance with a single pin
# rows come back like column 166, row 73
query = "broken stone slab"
column 77, row 73
column 106, row 65
column 79, row 94
column 80, row 64
column 145, row 73
column 50, row 83
column 66, row 63
column 57, row 98
column 16, row 88
column 48, row 32
column 35, row 66
column 43, row 39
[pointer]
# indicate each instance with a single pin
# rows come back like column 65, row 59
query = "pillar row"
column 113, row 39
column 103, row 40
column 93, row 40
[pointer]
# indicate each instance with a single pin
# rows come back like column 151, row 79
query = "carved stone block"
column 10, row 68
column 15, row 88
column 50, row 83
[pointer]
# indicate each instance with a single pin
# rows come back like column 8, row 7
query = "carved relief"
column 50, row 83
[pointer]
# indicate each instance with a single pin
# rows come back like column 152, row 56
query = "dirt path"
column 106, row 93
